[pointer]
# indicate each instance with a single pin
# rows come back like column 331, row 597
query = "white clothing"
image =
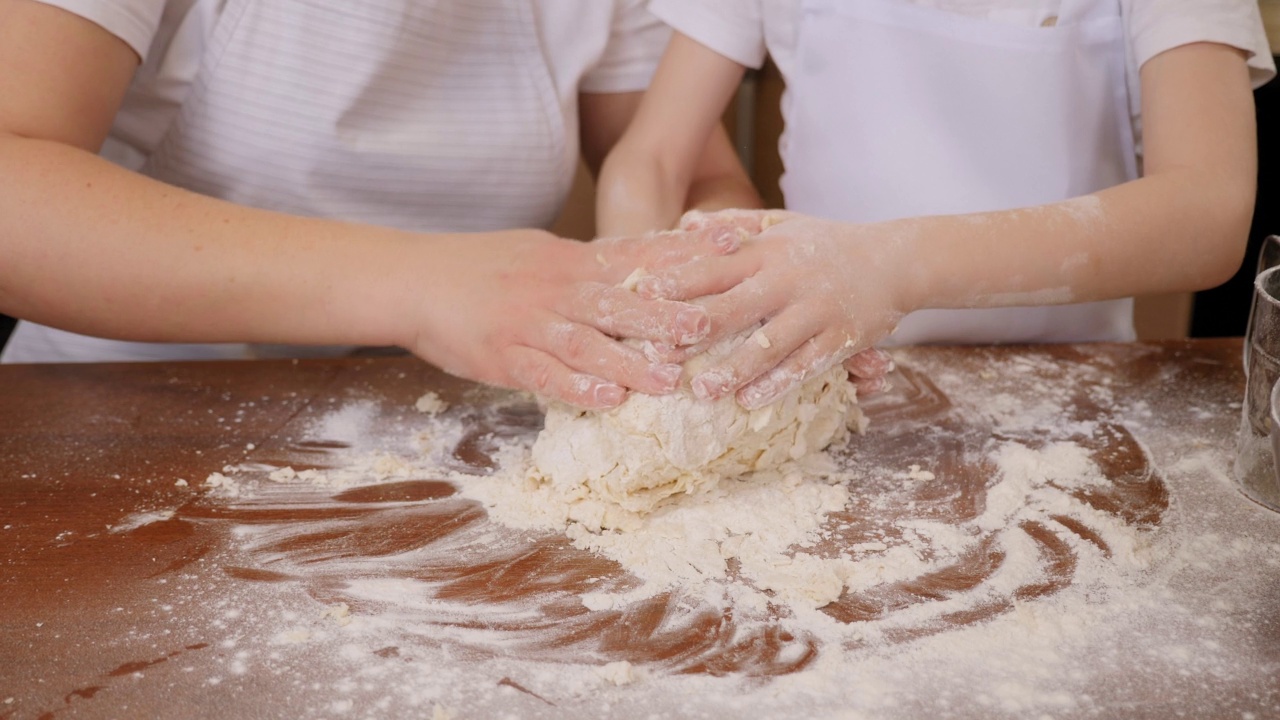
column 746, row 30
column 901, row 108
column 903, row 111
column 425, row 115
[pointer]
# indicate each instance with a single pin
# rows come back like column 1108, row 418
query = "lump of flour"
column 638, row 455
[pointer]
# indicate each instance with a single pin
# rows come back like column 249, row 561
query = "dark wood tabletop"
column 128, row 587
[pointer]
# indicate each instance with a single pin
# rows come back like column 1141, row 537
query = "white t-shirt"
column 591, row 46
column 454, row 115
column 745, row 30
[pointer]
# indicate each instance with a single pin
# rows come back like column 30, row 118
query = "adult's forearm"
column 96, row 249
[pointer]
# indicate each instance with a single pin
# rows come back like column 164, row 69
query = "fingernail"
column 609, row 395
column 692, row 325
column 727, row 241
column 756, row 397
column 667, row 375
column 652, row 288
column 652, row 352
column 711, row 385
column 703, row 389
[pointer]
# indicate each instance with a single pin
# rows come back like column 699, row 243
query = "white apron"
column 901, row 110
column 362, row 111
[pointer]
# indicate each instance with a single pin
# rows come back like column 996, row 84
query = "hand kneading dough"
column 653, row 447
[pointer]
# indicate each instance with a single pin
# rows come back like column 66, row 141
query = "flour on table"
column 505, row 639
column 609, row 467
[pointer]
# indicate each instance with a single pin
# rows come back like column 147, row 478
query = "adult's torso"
column 425, row 115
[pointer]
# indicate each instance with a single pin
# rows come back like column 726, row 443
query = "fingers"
column 663, row 353
column 705, row 276
column 752, row 222
column 763, row 350
column 869, row 364
column 587, row 350
column 586, row 369
column 871, row 386
column 744, row 305
column 869, row 371
column 813, row 357
column 622, row 313
column 541, row 373
column 619, row 256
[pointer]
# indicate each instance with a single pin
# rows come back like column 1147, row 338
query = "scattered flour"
column 137, row 520
column 1059, row 617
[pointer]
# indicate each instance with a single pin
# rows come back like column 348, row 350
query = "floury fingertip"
column 609, row 395
column 692, row 326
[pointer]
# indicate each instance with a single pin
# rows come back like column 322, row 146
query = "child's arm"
column 827, row 289
column 718, row 181
column 674, row 155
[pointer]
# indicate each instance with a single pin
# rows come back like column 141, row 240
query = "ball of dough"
column 651, row 448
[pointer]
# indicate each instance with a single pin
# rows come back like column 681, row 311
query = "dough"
column 651, row 448
column 431, row 404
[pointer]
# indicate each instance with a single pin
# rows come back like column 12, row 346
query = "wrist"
column 393, row 278
column 902, row 263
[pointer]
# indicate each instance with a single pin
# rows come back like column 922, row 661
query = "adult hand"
column 526, row 309
column 825, row 291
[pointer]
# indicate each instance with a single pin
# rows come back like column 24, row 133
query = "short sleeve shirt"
column 746, row 30
column 490, row 142
column 591, row 46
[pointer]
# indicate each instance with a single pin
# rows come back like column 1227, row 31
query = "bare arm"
column 828, row 289
column 93, row 248
column 1183, row 226
column 675, row 155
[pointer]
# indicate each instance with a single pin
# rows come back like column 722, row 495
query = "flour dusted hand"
column 826, row 292
column 650, row 448
column 529, row 310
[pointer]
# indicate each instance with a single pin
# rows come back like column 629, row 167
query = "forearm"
column 96, row 249
column 675, row 155
column 1176, row 231
column 720, row 182
column 722, row 193
column 637, row 193
column 643, row 189
column 1182, row 227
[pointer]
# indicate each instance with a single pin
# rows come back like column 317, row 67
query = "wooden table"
column 128, row 588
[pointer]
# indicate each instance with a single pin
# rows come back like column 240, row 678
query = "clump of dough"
column 614, row 465
column 431, row 404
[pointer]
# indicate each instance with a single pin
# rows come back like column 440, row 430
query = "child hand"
column 825, row 291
